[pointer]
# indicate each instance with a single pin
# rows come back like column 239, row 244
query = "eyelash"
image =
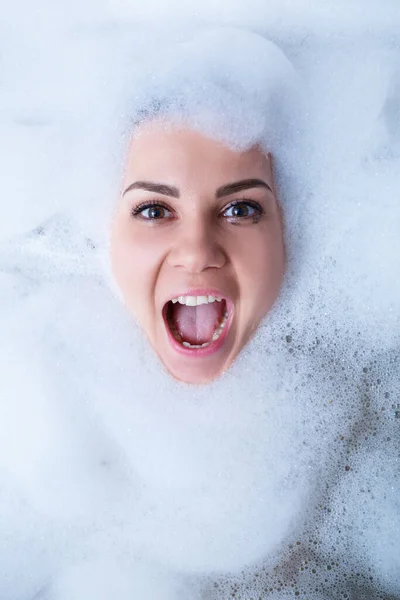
column 259, row 211
column 137, row 210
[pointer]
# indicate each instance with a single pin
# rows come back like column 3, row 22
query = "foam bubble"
column 281, row 478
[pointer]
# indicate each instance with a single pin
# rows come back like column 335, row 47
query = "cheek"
column 135, row 261
column 261, row 263
column 274, row 267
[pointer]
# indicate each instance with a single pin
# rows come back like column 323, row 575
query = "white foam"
column 115, row 480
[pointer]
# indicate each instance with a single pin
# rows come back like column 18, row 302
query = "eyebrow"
column 224, row 190
column 156, row 188
column 239, row 186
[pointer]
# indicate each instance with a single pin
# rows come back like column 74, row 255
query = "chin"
column 195, row 370
column 196, row 376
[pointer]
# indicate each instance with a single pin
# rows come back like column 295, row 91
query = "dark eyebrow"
column 239, row 186
column 156, row 188
column 224, row 190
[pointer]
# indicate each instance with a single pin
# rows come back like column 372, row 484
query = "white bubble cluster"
column 281, row 479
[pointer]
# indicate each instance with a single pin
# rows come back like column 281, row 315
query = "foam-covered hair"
column 229, row 83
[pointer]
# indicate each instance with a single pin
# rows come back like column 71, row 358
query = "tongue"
column 196, row 324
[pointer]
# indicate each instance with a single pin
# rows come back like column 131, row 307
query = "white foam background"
column 116, row 482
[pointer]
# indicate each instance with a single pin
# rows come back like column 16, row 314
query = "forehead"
column 158, row 152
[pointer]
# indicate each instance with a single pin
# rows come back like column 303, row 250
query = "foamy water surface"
column 282, row 478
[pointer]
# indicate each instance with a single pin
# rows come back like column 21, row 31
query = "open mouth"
column 196, row 322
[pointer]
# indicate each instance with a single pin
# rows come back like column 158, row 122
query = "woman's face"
column 197, row 247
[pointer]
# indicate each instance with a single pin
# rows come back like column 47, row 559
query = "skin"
column 198, row 241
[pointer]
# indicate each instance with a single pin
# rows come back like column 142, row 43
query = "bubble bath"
column 280, row 479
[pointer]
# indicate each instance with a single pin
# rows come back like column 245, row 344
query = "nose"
column 197, row 247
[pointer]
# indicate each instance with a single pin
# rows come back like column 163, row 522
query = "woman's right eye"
column 152, row 212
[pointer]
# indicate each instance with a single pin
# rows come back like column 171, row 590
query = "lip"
column 214, row 346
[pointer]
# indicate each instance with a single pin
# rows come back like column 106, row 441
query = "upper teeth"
column 195, row 300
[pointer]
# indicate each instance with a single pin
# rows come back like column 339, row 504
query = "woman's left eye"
column 242, row 210
column 152, row 212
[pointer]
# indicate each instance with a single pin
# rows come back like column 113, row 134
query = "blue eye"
column 242, row 210
column 239, row 210
column 152, row 212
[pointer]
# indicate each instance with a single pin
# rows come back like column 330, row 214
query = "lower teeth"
column 187, row 345
column 215, row 336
